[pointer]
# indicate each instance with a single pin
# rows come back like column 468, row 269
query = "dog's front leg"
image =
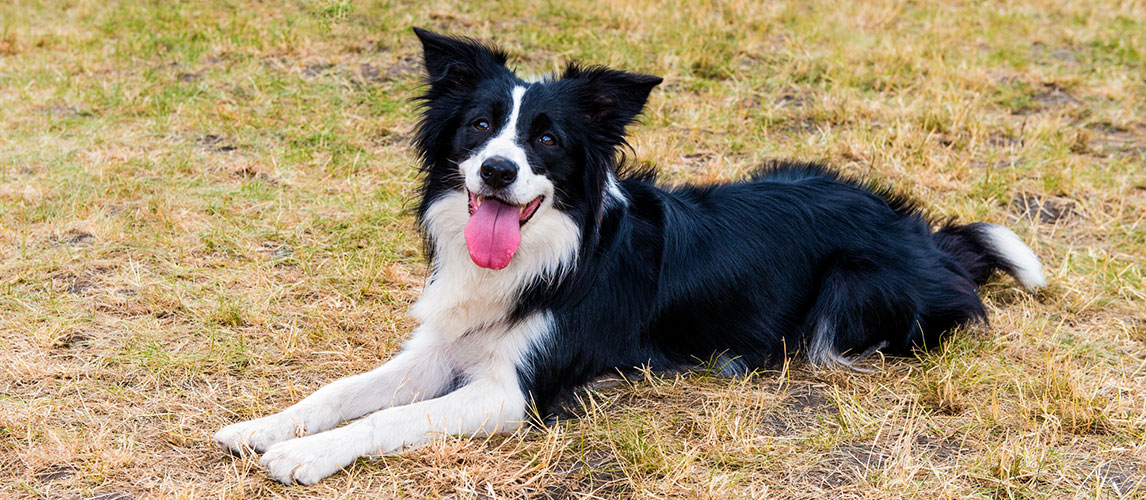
column 481, row 407
column 421, row 371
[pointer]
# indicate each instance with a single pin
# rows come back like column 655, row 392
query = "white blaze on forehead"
column 510, row 129
column 506, row 144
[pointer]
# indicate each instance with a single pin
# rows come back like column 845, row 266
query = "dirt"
column 799, row 126
column 844, row 465
column 802, row 409
column 387, row 137
column 73, row 284
column 850, row 463
column 1003, row 141
column 944, row 450
column 216, row 144
column 599, row 473
column 54, row 473
column 65, row 112
column 806, row 398
column 793, row 99
column 1054, row 96
column 73, row 340
column 76, row 238
column 114, row 495
column 250, row 171
column 405, row 67
column 1043, row 208
column 369, row 72
column 189, row 76
column 1122, row 475
column 1043, row 54
column 313, row 70
column 1104, row 139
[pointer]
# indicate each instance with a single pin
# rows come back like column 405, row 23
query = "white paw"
column 307, row 460
column 258, row 435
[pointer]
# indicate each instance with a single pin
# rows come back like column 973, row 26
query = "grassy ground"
column 204, row 216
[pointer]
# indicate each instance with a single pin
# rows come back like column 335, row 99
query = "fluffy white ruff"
column 461, row 296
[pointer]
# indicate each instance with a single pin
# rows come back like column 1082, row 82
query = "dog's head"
column 515, row 148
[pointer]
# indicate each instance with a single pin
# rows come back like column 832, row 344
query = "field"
column 205, row 215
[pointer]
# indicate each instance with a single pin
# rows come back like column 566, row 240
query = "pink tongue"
column 493, row 234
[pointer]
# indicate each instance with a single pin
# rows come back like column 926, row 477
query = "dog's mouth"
column 493, row 232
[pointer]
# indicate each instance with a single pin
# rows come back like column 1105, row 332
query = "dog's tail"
column 981, row 248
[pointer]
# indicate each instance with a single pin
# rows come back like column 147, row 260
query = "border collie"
column 551, row 264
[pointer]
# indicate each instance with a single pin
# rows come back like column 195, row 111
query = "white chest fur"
column 462, row 297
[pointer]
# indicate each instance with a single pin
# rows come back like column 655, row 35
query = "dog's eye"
column 481, row 124
column 546, row 140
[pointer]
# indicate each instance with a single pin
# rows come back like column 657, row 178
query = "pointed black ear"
column 454, row 63
column 608, row 95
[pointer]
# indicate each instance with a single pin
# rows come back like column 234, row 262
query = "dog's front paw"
column 258, row 435
column 307, row 460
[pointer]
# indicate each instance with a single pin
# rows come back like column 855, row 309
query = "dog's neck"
column 461, row 298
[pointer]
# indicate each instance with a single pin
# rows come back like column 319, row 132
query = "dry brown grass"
column 203, row 218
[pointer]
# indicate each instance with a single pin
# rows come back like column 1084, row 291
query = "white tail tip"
column 1025, row 265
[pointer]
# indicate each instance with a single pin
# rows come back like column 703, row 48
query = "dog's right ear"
column 454, row 63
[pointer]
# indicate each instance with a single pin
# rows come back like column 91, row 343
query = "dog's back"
column 794, row 260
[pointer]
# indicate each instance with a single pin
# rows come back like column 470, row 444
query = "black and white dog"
column 551, row 266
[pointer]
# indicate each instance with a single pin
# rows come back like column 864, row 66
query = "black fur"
column 677, row 276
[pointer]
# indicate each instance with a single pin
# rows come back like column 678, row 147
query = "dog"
column 553, row 262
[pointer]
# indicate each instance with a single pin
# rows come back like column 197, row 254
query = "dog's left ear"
column 458, row 63
column 611, row 96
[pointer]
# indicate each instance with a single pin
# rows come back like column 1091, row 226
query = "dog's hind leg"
column 421, row 371
column 856, row 312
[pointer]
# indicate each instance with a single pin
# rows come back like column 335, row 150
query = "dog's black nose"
column 498, row 172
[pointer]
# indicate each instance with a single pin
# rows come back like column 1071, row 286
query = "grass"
column 204, row 216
